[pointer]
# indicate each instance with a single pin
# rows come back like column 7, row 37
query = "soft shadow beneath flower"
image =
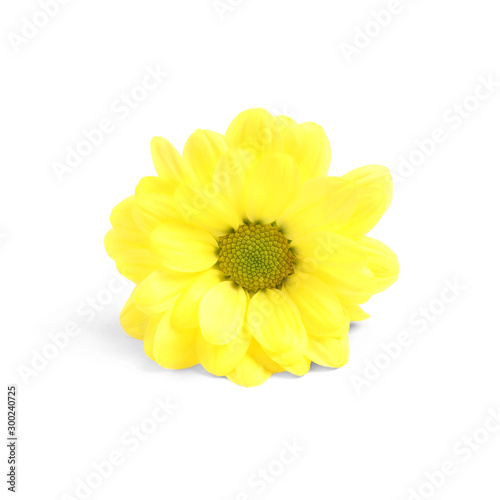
column 355, row 327
column 319, row 368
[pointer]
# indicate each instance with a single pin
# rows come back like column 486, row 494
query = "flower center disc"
column 256, row 256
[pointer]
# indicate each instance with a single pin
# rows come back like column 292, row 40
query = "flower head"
column 248, row 259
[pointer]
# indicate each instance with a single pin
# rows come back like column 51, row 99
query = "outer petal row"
column 374, row 195
column 308, row 144
column 243, row 360
column 326, row 202
column 222, row 312
column 290, row 154
column 184, row 248
column 274, row 321
column 256, row 131
column 270, row 187
column 382, row 261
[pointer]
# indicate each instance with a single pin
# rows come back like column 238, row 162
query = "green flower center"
column 256, row 256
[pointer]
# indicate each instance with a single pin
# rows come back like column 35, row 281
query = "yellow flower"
column 247, row 258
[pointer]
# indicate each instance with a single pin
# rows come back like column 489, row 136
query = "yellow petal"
column 351, row 288
column 185, row 312
column 316, row 249
column 326, row 202
column 300, row 367
column 174, row 348
column 185, row 248
column 271, row 186
column 221, row 312
column 382, row 261
column 122, row 220
column 376, row 176
column 320, row 310
column 154, row 203
column 115, row 244
column 230, row 174
column 374, row 190
column 159, row 291
column 355, row 313
column 221, row 359
column 274, row 321
column 150, row 335
column 133, row 321
column 328, row 351
column 249, row 373
column 137, row 264
column 308, row 144
column 205, row 208
column 202, row 152
column 256, row 131
column 168, row 162
column 155, row 185
column 284, row 124
column 289, row 356
column 259, row 355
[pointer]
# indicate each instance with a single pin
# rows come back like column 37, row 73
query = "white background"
column 286, row 56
